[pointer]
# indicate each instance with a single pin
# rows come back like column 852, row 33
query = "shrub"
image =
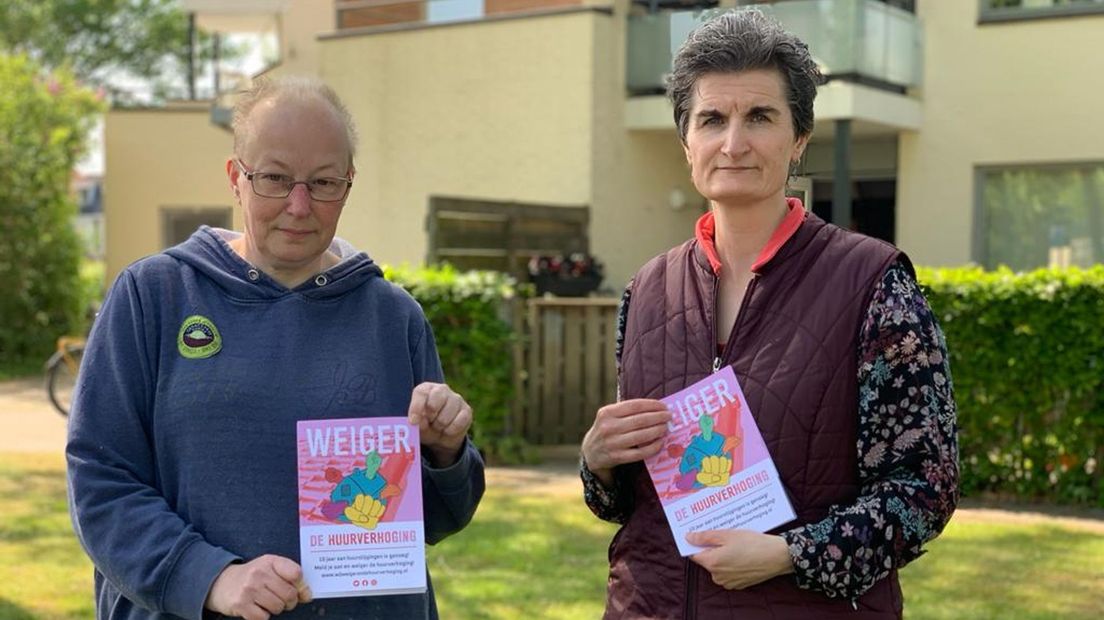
column 1027, row 359
column 470, row 315
column 92, row 291
column 44, row 120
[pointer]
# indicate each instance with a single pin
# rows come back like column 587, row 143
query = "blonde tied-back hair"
column 297, row 88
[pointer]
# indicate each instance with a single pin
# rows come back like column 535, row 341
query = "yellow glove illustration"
column 715, row 471
column 365, row 512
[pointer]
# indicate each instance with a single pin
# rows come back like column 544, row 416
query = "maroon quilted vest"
column 794, row 350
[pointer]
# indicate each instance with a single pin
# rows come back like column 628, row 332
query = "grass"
column 544, row 556
column 992, row 570
column 524, row 556
column 44, row 573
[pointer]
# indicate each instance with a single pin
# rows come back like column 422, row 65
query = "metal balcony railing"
column 859, row 40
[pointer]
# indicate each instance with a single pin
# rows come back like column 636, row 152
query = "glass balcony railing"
column 859, row 40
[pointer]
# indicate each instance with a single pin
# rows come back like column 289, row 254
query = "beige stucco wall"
column 529, row 109
column 172, row 157
column 497, row 110
column 1000, row 93
column 300, row 25
column 634, row 172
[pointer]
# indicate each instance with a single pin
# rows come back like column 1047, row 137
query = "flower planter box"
column 566, row 287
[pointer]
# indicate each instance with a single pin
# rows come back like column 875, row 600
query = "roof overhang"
column 238, row 16
column 873, row 111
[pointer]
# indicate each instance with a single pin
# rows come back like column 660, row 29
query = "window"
column 1031, row 217
column 178, row 223
column 453, row 10
column 1013, row 10
column 370, row 13
column 90, row 198
column 481, row 234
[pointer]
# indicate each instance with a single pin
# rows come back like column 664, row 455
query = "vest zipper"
column 690, row 611
column 716, row 291
column 718, row 359
column 743, row 305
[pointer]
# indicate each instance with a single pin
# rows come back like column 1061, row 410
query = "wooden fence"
column 567, row 368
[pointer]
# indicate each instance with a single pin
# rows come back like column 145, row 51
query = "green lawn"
column 44, row 573
column 528, row 556
column 987, row 570
column 524, row 557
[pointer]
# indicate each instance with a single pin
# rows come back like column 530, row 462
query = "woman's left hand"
column 738, row 559
column 443, row 419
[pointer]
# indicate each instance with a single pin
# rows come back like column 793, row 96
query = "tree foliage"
column 44, row 122
column 114, row 44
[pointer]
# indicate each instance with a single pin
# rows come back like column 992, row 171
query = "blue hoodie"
column 181, row 464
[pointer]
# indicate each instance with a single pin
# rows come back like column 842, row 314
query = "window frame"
column 169, row 215
column 511, row 215
column 979, row 246
column 990, row 15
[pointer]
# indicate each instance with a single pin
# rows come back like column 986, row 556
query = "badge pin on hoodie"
column 198, row 338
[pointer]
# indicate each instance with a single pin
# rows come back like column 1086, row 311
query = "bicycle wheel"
column 61, row 378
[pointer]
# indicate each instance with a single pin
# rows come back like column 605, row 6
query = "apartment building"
column 963, row 131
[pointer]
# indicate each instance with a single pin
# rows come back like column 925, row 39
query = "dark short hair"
column 745, row 40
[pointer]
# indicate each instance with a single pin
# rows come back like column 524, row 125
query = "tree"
column 44, row 122
column 113, row 44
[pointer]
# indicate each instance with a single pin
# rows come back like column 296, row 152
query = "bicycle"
column 61, row 372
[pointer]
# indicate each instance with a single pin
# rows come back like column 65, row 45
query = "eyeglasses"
column 277, row 185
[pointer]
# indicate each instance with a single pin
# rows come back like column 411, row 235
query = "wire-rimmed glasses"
column 279, row 185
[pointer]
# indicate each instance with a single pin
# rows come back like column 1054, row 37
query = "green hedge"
column 1027, row 359
column 470, row 315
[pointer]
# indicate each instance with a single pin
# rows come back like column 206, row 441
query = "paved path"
column 29, row 424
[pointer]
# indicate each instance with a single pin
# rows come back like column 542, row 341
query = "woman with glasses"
column 182, row 440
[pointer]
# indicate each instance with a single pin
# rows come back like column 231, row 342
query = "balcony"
column 356, row 14
column 861, row 41
column 241, row 16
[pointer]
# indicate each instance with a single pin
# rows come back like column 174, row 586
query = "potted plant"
column 570, row 275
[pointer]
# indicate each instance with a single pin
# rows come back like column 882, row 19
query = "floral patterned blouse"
column 907, row 451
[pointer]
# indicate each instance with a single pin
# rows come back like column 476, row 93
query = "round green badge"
column 198, row 338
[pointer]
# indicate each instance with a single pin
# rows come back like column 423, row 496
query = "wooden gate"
column 569, row 370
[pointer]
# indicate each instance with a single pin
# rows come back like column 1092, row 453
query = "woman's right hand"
column 624, row 432
column 259, row 589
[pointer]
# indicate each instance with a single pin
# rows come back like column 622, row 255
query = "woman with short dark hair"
column 838, row 354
